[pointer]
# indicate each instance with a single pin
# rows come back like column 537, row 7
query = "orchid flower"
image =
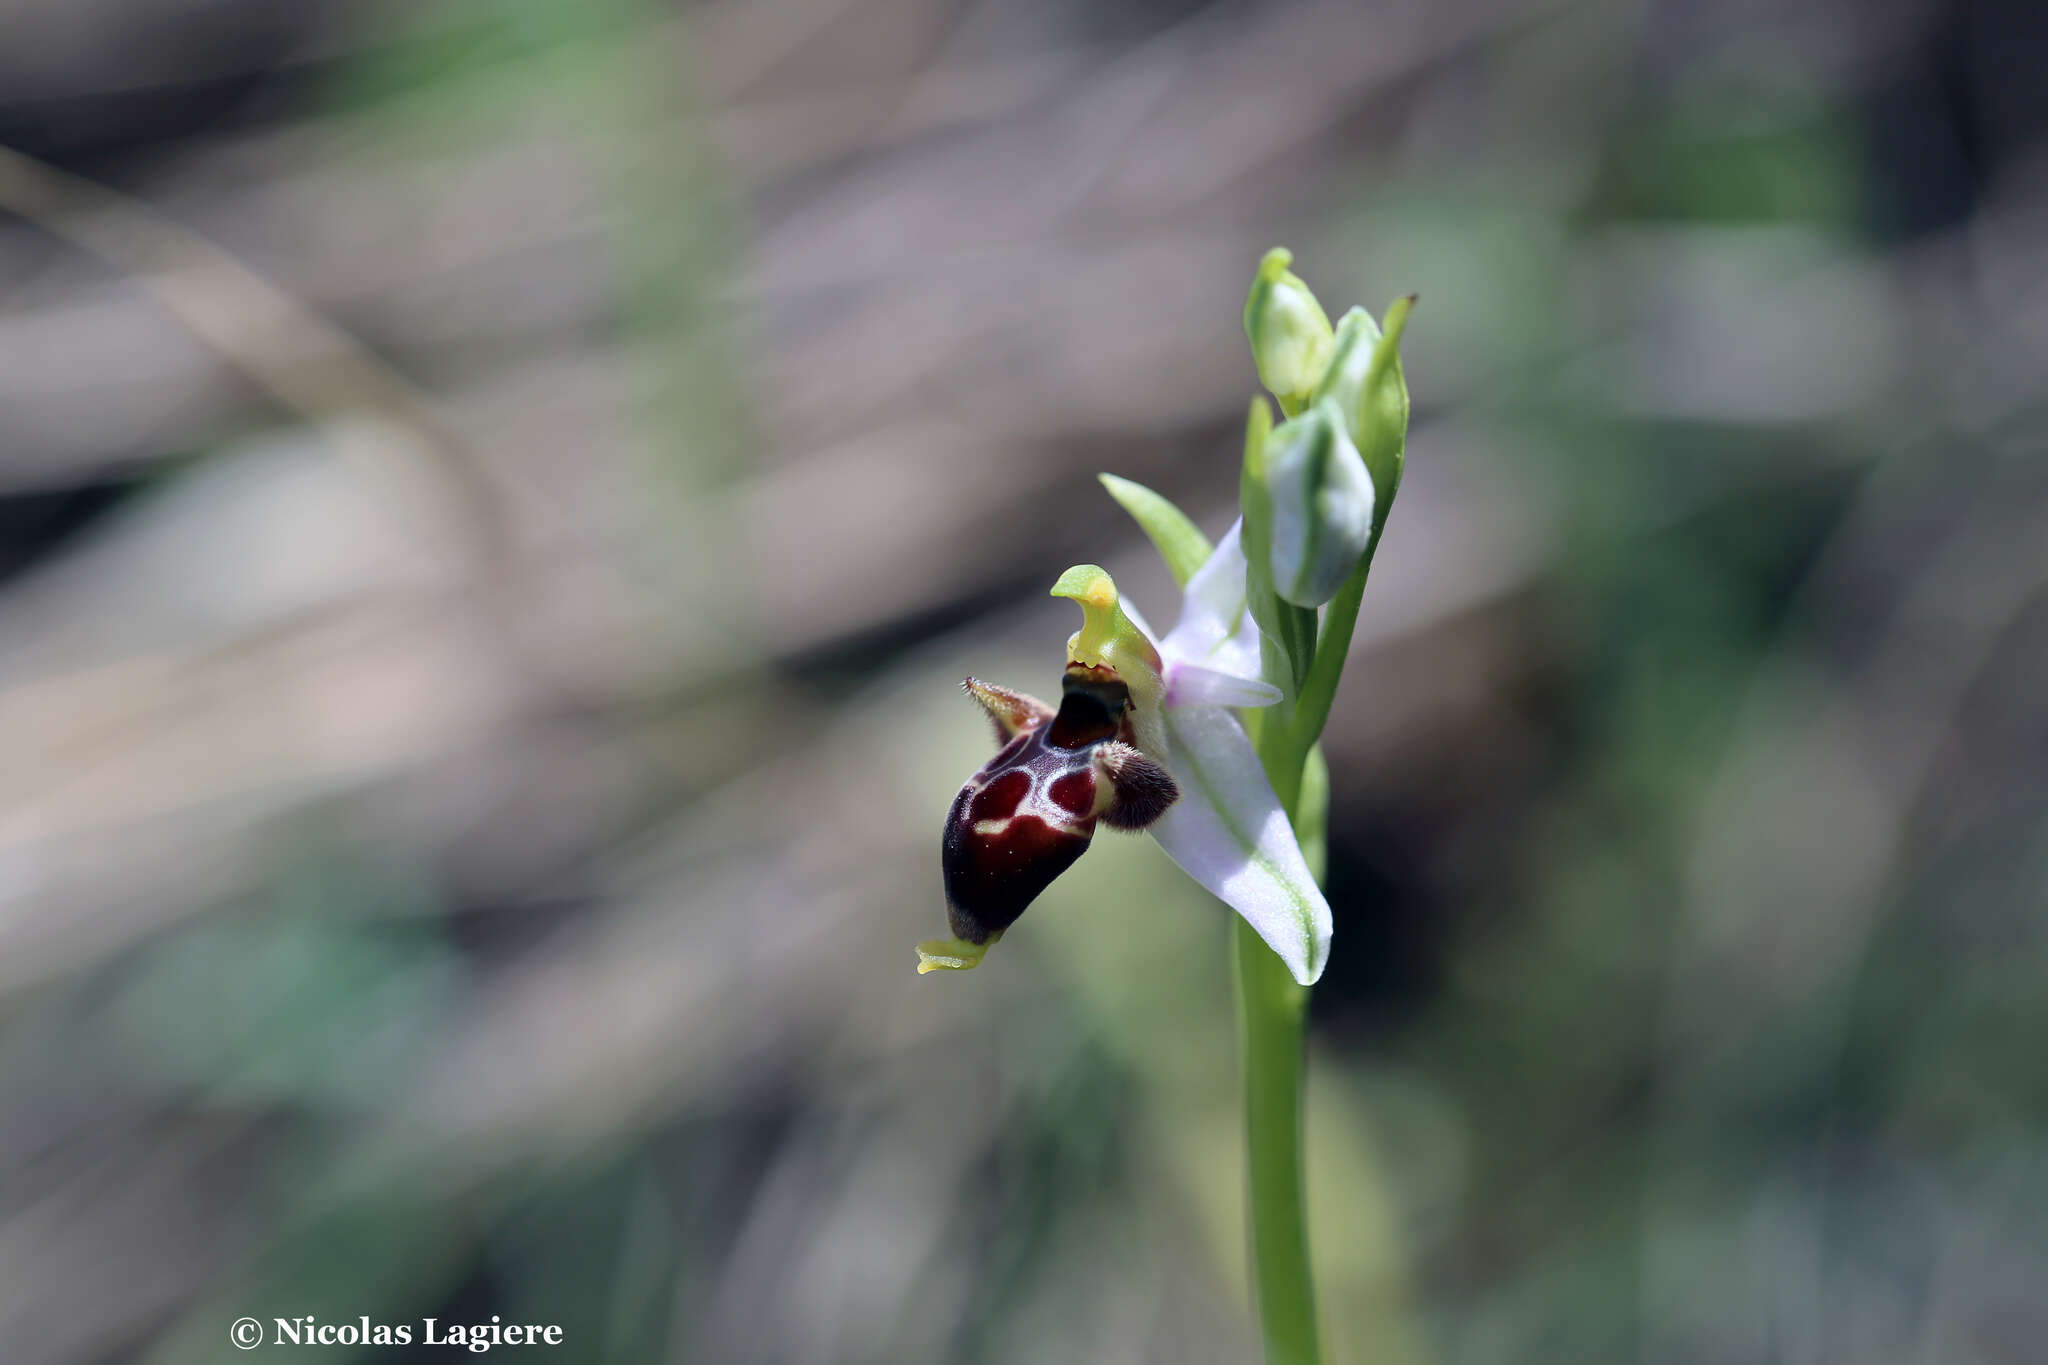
column 1145, row 737
column 1151, row 733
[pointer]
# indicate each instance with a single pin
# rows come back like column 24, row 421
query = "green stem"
column 1272, row 1013
column 1271, row 1009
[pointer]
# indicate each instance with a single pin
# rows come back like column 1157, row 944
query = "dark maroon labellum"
column 1032, row 809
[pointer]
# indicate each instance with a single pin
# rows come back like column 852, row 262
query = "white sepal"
column 1228, row 832
column 1215, row 631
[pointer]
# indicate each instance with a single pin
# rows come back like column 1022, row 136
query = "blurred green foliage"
column 1688, row 843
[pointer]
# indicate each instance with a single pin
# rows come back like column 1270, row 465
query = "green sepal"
column 1179, row 541
column 1288, row 632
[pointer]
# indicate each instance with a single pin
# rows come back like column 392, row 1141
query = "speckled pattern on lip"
column 1030, row 811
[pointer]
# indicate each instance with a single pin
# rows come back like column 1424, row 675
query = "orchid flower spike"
column 1145, row 737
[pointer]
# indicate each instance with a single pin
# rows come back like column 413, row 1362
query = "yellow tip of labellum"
column 951, row 954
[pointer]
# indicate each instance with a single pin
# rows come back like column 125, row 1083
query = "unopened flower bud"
column 1322, row 501
column 1290, row 334
column 1364, row 380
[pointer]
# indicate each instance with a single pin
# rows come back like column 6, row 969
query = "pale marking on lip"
column 1002, row 826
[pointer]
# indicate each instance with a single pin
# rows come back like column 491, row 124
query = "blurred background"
column 496, row 500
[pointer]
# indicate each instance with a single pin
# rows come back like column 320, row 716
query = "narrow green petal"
column 1179, row 541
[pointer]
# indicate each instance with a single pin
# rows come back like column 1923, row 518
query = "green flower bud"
column 1289, row 332
column 1321, row 497
column 1365, row 381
